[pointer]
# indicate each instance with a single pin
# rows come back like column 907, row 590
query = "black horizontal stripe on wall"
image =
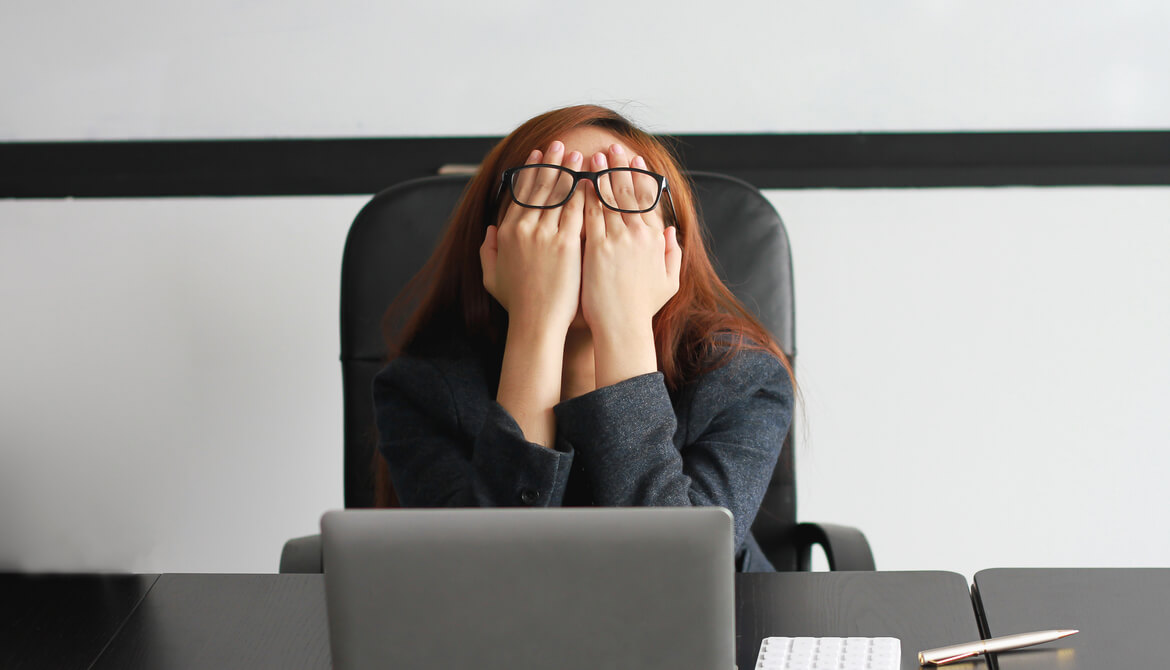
column 260, row 167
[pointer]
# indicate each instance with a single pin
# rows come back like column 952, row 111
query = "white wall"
column 169, row 386
column 171, row 396
column 985, row 372
column 244, row 68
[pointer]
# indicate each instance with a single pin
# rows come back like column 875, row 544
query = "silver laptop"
column 522, row 589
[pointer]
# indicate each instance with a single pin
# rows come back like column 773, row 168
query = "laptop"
column 522, row 589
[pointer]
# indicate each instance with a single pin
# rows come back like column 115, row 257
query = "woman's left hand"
column 630, row 270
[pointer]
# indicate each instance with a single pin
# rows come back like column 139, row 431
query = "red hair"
column 697, row 330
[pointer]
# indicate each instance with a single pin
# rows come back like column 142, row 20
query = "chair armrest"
column 302, row 554
column 845, row 546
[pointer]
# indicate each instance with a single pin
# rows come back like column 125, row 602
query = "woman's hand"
column 532, row 265
column 532, row 260
column 631, row 269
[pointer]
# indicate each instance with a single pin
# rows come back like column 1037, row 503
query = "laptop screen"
column 519, row 589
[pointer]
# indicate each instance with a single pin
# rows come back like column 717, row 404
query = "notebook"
column 521, row 589
column 830, row 653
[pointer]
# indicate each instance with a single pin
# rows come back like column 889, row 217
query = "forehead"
column 591, row 139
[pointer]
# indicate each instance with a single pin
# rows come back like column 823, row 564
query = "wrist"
column 530, row 381
column 538, row 324
column 535, row 337
column 624, row 351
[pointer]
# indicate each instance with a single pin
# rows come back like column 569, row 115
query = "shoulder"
column 743, row 370
column 746, row 398
column 741, row 385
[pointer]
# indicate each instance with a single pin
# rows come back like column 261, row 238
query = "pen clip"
column 956, row 657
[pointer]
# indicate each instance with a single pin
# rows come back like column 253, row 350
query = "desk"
column 1123, row 615
column 278, row 621
column 225, row 621
column 923, row 609
column 63, row 621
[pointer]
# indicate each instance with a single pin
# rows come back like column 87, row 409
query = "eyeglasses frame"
column 663, row 187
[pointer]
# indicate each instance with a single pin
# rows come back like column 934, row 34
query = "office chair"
column 394, row 234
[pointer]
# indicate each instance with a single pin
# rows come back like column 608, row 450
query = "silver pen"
column 957, row 652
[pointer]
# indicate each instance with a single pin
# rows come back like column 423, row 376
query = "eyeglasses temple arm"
column 673, row 211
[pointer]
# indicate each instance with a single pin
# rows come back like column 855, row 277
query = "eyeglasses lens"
column 627, row 189
column 541, row 186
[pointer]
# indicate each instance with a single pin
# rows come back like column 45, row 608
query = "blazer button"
column 528, row 496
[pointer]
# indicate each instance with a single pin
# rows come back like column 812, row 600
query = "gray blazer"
column 713, row 442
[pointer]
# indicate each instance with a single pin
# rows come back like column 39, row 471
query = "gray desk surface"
column 225, row 621
column 922, row 609
column 1123, row 615
column 278, row 621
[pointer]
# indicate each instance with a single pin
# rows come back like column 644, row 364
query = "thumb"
column 673, row 256
column 488, row 252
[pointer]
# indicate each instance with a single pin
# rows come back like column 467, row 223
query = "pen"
column 957, row 652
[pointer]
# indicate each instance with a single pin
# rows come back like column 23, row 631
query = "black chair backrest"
column 396, row 231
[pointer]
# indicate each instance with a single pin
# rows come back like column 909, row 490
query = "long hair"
column 697, row 330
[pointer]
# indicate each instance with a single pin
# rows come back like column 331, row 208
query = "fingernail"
column 574, row 156
column 534, row 155
column 555, row 146
column 599, row 159
column 617, row 149
column 638, row 162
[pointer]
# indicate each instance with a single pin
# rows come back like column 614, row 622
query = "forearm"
column 449, row 445
column 530, row 379
column 627, row 437
column 499, row 468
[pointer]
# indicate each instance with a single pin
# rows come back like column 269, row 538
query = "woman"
column 572, row 344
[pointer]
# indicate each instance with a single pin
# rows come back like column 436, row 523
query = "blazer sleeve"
column 449, row 446
column 737, row 420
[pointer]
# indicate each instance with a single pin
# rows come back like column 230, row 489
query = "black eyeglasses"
column 544, row 186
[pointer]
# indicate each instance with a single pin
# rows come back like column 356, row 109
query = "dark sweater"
column 713, row 442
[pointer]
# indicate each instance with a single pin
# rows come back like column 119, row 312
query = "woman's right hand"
column 532, row 259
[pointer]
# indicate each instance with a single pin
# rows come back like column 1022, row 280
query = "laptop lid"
column 521, row 589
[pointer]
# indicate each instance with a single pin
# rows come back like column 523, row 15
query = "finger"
column 645, row 191
column 547, row 189
column 573, row 213
column 522, row 187
column 488, row 252
column 594, row 219
column 673, row 257
column 622, row 184
column 614, row 224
